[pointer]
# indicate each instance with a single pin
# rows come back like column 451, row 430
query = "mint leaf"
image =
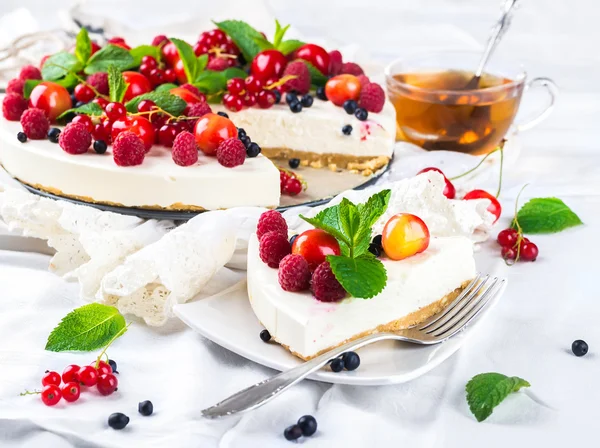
column 349, row 219
column 330, row 221
column 288, row 46
column 243, row 35
column 190, row 62
column 109, row 55
column 487, row 390
column 116, row 84
column 316, row 77
column 263, row 43
column 234, row 72
column 60, row 65
column 93, row 109
column 83, row 46
column 210, row 81
column 140, row 51
column 279, row 33
column 546, row 215
column 369, row 213
column 201, row 63
column 363, row 276
column 170, row 103
column 165, row 87
column 86, row 328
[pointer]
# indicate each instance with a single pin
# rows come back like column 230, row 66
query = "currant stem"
column 30, row 392
column 501, row 167
column 477, row 166
column 120, row 333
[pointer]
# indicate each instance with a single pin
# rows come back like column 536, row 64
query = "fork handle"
column 260, row 393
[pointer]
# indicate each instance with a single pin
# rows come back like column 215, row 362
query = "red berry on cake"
column 140, row 126
column 99, row 81
column 75, row 138
column 352, row 69
column 233, row 102
column 231, row 152
column 372, row 97
column 292, row 186
column 194, row 90
column 159, row 40
column 128, row 149
column 364, row 80
column 218, row 64
column 13, row 106
column 35, row 124
column 335, row 62
column 52, row 98
column 84, row 120
column 325, row 286
column 266, row 99
column 211, row 130
column 185, row 150
column 15, row 86
column 317, row 56
column 187, row 96
column 138, row 85
column 294, row 273
column 404, row 235
column 301, row 82
column 268, row 64
column 30, row 72
column 315, row 245
column 342, row 88
column 236, row 86
column 273, row 247
column 198, row 110
column 271, row 221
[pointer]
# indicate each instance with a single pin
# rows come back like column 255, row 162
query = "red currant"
column 316, row 55
column 107, row 383
column 167, row 134
column 314, row 245
column 51, row 378
column 268, row 64
column 103, row 367
column 88, row 375
column 150, row 61
column 508, row 253
column 283, row 178
column 157, row 76
column 138, row 85
column 249, row 99
column 233, row 102
column 99, row 133
column 140, row 126
column 84, row 93
column 529, row 251
column 235, row 86
column 293, row 186
column 494, row 208
column 254, row 84
column 508, row 237
column 146, row 106
column 70, row 373
column 146, row 69
column 218, row 35
column 115, row 111
column 170, row 76
column 51, row 395
column 266, row 99
column 70, row 391
column 100, row 102
column 170, row 53
column 84, row 120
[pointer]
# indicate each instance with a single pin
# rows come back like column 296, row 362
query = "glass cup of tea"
column 440, row 107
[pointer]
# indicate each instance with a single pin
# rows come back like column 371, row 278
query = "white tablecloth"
column 548, row 304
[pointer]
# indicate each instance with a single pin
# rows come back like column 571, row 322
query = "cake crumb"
column 316, row 164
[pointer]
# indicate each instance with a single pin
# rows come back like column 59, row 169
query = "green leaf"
column 316, row 77
column 201, row 63
column 109, row 55
column 83, row 46
column 263, row 43
column 288, row 46
column 60, row 65
column 234, row 72
column 210, row 81
column 279, row 33
column 190, row 62
column 487, row 390
column 330, row 221
column 93, row 109
column 349, row 219
column 68, row 82
column 243, row 35
column 369, row 213
column 170, row 103
column 29, row 86
column 116, row 84
column 363, row 276
column 165, row 87
column 140, row 51
column 86, row 328
column 546, row 215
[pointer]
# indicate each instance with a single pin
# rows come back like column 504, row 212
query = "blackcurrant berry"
column 291, row 97
column 361, row 114
column 579, row 347
column 145, row 408
column 277, row 96
column 377, row 240
column 118, row 420
column 253, row 150
column 100, row 146
column 265, row 336
column 351, row 360
column 375, row 249
column 308, row 425
column 22, row 137
column 350, row 106
column 79, row 104
column 246, row 141
column 223, row 114
column 321, row 93
column 293, row 238
column 347, row 130
column 241, row 133
column 337, row 365
column 307, row 100
column 113, row 365
column 294, row 163
column 296, row 107
column 53, row 134
column 292, row 432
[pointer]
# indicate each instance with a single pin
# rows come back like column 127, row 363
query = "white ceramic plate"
column 227, row 319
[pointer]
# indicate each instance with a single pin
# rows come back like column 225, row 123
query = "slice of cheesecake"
column 417, row 288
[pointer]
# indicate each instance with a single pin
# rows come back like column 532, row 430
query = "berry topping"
column 265, row 336
column 404, row 235
column 159, row 40
column 75, row 139
column 13, row 106
column 254, row 84
column 307, row 100
column 138, row 125
column 266, row 99
column 128, row 149
column 351, row 360
column 231, row 152
column 185, row 150
column 138, row 84
column 314, row 245
column 335, row 62
column 308, row 425
column 341, row 88
column 193, row 89
column 30, row 72
column 235, row 103
column 84, row 120
column 145, row 408
column 292, row 432
column 321, row 93
column 51, row 378
column 223, row 114
column 22, row 137
column 83, row 93
column 268, row 64
column 211, row 130
column 372, row 96
column 118, row 420
column 301, row 82
column 494, row 208
column 271, row 221
column 115, row 111
column 364, row 81
column 350, row 106
column 252, row 150
column 71, row 391
column 361, row 114
column 99, row 81
column 325, row 286
column 317, row 56
column 294, row 163
column 236, row 86
column 52, row 98
column 375, row 250
column 100, row 146
column 107, row 383
column 15, row 86
column 51, row 395
column 199, row 110
column 35, row 124
column 347, row 130
column 273, row 248
column 218, row 64
column 352, row 69
column 294, row 273
column 579, row 348
column 296, row 107
column 53, row 135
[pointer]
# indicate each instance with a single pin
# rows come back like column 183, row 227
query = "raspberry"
column 231, row 152
column 372, row 97
column 158, row 40
column 15, row 86
column 217, row 64
column 30, row 72
column 301, row 84
column 335, row 62
column 185, row 151
column 325, row 286
column 99, row 81
column 294, row 273
column 198, row 110
column 364, row 81
column 13, row 106
column 271, row 221
column 35, row 124
column 193, row 89
column 273, row 247
column 128, row 149
column 352, row 69
column 75, row 138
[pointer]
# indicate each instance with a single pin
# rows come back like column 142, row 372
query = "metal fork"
column 440, row 327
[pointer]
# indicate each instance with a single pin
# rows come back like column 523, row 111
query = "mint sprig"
column 192, row 65
column 116, row 84
column 109, row 55
column 243, row 35
column 91, row 108
column 163, row 99
column 358, row 271
column 487, row 390
column 83, row 46
column 545, row 215
column 285, row 46
column 60, row 65
column 87, row 328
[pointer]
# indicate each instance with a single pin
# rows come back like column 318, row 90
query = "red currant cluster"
column 155, row 71
column 250, row 92
column 99, row 374
column 516, row 247
column 222, row 52
column 289, row 183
